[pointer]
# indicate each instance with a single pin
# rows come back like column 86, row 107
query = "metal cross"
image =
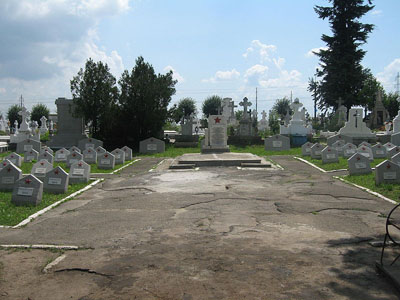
column 356, row 115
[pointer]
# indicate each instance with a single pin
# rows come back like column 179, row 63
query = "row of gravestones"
column 394, row 139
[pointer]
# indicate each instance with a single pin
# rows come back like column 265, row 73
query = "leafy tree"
column 391, row 103
column 239, row 114
column 341, row 72
column 212, row 105
column 12, row 114
column 185, row 108
column 144, row 102
column 39, row 110
column 282, row 106
column 273, row 121
column 94, row 94
column 370, row 87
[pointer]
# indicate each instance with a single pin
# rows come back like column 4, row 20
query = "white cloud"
column 175, row 74
column 263, row 50
column 285, row 79
column 388, row 76
column 376, row 12
column 316, row 50
column 223, row 76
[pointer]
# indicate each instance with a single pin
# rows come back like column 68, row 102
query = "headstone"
column 216, row 137
column 31, row 155
column 306, row 149
column 277, row 143
column 396, row 159
column 389, row 146
column 56, row 181
column 387, row 172
column 47, row 156
column 4, row 163
column 27, row 191
column 395, row 139
column 355, row 127
column 27, row 145
column 365, row 144
column 43, row 125
column 90, row 156
column 359, row 164
column 79, row 172
column 8, row 176
column 337, row 137
column 106, row 161
column 70, row 130
column 393, row 151
column 151, row 145
column 15, row 158
column 329, row 155
column 349, row 150
column 46, row 149
column 73, row 157
column 297, row 126
column 40, row 168
column 119, row 156
column 379, row 113
column 89, row 143
column 228, row 110
column 128, row 153
column 379, row 151
column 74, row 148
column 100, row 150
column 263, row 123
column 338, row 145
column 316, row 151
column 366, row 151
column 396, row 123
column 61, row 155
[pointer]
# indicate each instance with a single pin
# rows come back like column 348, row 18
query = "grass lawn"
column 12, row 215
column 391, row 191
column 342, row 164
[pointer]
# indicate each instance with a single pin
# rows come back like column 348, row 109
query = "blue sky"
column 218, row 47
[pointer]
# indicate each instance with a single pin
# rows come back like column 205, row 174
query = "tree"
column 273, row 122
column 144, row 101
column 282, row 106
column 39, row 110
column 391, row 103
column 94, row 93
column 185, row 108
column 341, row 72
column 13, row 115
column 370, row 88
column 212, row 105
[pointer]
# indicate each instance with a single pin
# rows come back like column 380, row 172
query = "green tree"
column 185, row 108
column 12, row 114
column 239, row 114
column 370, row 88
column 282, row 106
column 94, row 93
column 144, row 101
column 273, row 122
column 39, row 110
column 340, row 69
column 391, row 103
column 212, row 105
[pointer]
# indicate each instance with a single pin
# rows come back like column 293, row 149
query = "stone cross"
column 43, row 120
column 264, row 115
column 24, row 124
column 245, row 103
column 356, row 115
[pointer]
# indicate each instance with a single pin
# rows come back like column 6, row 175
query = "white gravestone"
column 47, row 156
column 90, row 156
column 359, row 164
column 56, row 181
column 100, row 150
column 61, row 155
column 46, row 149
column 128, row 153
column 31, row 155
column 349, row 150
column 8, row 176
column 316, row 151
column 277, row 143
column 379, row 151
column 27, row 145
column 338, row 145
column 106, row 161
column 151, row 145
column 216, row 135
column 89, row 143
column 74, row 148
column 40, row 168
column 366, row 151
column 119, row 156
column 329, row 155
column 43, row 125
column 355, row 127
column 73, row 157
column 15, row 158
column 393, row 151
column 306, row 149
column 79, row 172
column 387, row 172
column 27, row 191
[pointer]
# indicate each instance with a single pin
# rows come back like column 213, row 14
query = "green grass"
column 391, row 191
column 11, row 214
column 342, row 164
column 4, row 154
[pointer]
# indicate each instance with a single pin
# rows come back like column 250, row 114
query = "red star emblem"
column 56, row 172
column 388, row 166
column 9, row 169
column 62, row 151
column 363, row 148
column 340, row 136
column 89, row 151
column 12, row 156
column 29, row 141
column 358, row 158
column 329, row 150
column 90, row 140
column 42, row 163
column 4, row 164
column 80, row 164
column 28, row 181
column 217, row 120
column 106, row 155
column 379, row 147
column 73, row 154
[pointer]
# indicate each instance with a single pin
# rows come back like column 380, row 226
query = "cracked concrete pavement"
column 214, row 233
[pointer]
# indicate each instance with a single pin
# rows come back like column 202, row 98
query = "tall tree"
column 391, row 103
column 12, row 114
column 369, row 90
column 282, row 107
column 94, row 94
column 212, row 105
column 340, row 69
column 144, row 100
column 185, row 108
column 39, row 110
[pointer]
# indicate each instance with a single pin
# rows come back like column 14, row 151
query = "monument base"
column 240, row 140
column 59, row 141
column 207, row 150
column 185, row 141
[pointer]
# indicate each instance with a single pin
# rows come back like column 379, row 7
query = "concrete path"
column 214, row 233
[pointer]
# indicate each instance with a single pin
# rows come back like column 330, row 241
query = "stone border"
column 316, row 167
column 366, row 189
column 60, row 247
column 117, row 170
column 47, row 208
column 157, row 165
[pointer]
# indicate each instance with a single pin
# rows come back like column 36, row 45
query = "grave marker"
column 277, row 143
column 306, row 149
column 61, row 155
column 31, row 155
column 119, row 156
column 15, row 158
column 47, row 156
column 316, row 151
column 89, row 143
column 100, row 150
column 366, row 151
column 8, row 176
column 151, row 145
column 56, row 181
column 338, row 145
column 329, row 155
column 349, row 150
column 106, row 161
column 74, row 148
column 40, row 168
column 359, row 164
column 27, row 145
column 27, row 191
column 46, row 149
column 128, row 152
column 379, row 151
column 393, row 151
column 79, row 172
column 73, row 157
column 387, row 172
column 90, row 156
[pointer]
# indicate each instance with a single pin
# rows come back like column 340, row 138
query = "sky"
column 214, row 47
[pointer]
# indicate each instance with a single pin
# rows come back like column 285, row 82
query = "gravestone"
column 74, row 148
column 387, row 172
column 70, row 130
column 329, row 155
column 395, row 139
column 8, row 176
column 151, row 145
column 316, row 151
column 263, row 123
column 15, row 158
column 393, row 151
column 359, row 164
column 61, row 155
column 216, row 137
column 27, row 191
column 277, row 143
column 379, row 113
column 56, row 181
column 365, row 144
column 89, row 143
column 349, row 150
column 73, row 157
column 100, row 150
column 90, row 156
column 306, row 149
column 379, row 151
column 186, row 138
column 79, row 172
column 4, row 163
column 337, row 137
column 338, row 145
column 27, row 145
column 43, row 125
column 47, row 156
column 106, row 161
column 119, row 156
column 366, row 151
column 396, row 159
column 356, row 128
column 389, row 146
column 46, row 149
column 31, row 155
column 40, row 168
column 297, row 126
column 128, row 153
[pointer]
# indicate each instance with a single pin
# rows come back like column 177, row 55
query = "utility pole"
column 256, row 101
column 21, row 104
